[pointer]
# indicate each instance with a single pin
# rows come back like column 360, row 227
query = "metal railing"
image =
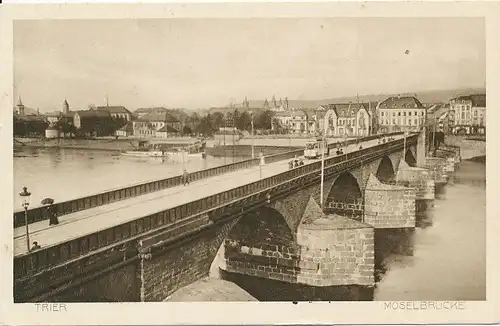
column 30, row 263
column 37, row 214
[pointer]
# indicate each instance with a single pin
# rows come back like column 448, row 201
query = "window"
column 399, row 114
column 463, row 115
column 404, row 114
column 409, row 122
column 415, row 121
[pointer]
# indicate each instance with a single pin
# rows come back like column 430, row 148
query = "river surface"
column 449, row 254
column 64, row 174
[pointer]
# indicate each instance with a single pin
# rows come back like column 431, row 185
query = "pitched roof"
column 167, row 128
column 114, row 109
column 283, row 114
column 127, row 127
column 151, row 110
column 93, row 113
column 403, row 102
column 478, row 100
column 156, row 116
column 346, row 110
column 53, row 114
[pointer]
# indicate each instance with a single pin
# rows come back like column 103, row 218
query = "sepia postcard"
column 250, row 163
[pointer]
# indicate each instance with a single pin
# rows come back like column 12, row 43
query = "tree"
column 264, row 119
column 218, row 120
column 244, row 122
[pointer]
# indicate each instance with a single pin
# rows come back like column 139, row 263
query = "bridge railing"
column 37, row 214
column 32, row 262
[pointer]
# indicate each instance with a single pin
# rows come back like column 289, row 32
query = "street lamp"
column 323, row 149
column 25, row 194
column 253, row 152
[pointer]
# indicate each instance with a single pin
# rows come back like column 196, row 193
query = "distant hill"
column 438, row 96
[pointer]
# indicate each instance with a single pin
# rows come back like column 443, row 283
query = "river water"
column 449, row 254
column 448, row 260
column 64, row 174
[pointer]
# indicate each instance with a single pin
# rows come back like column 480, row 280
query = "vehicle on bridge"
column 314, row 149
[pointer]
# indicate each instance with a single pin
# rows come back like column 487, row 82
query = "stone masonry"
column 438, row 166
column 419, row 178
column 330, row 250
column 389, row 206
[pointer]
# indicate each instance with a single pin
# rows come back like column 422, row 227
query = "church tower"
column 266, row 104
column 65, row 107
column 20, row 107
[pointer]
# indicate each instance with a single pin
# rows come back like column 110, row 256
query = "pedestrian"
column 35, row 246
column 290, row 165
column 185, row 176
column 301, row 163
column 53, row 220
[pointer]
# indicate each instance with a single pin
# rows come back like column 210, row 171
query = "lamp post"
column 25, row 194
column 253, row 151
column 322, row 166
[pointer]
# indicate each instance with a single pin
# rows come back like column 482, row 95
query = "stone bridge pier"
column 293, row 249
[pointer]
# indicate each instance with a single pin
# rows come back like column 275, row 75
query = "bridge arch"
column 261, row 226
column 345, row 189
column 385, row 171
column 410, row 158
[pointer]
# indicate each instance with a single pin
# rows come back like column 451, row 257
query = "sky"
column 199, row 63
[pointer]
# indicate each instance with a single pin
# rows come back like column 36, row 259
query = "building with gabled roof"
column 117, row 112
column 149, row 124
column 346, row 119
column 398, row 113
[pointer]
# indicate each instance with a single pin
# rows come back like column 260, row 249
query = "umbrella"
column 47, row 201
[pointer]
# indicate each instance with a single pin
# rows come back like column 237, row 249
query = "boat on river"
column 146, row 149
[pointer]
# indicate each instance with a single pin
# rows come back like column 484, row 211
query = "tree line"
column 209, row 124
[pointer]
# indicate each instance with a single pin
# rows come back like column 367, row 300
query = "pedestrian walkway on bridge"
column 78, row 224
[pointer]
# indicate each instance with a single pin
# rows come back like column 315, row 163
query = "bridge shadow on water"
column 392, row 245
column 264, row 289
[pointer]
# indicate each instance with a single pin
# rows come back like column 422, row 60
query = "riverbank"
column 105, row 143
column 468, row 148
column 246, row 150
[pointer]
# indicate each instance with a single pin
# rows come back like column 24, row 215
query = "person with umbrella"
column 53, row 220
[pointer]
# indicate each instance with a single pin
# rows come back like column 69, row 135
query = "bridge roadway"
column 78, row 224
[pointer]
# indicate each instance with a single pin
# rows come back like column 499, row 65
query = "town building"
column 139, row 113
column 467, row 115
column 93, row 123
column 117, row 112
column 345, row 119
column 399, row 113
column 282, row 121
column 298, row 122
column 126, row 130
column 149, row 124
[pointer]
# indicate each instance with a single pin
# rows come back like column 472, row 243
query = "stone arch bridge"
column 273, row 228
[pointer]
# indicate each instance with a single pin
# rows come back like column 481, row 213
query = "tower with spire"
column 65, row 107
column 286, row 103
column 274, row 102
column 246, row 104
column 266, row 104
column 20, row 107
